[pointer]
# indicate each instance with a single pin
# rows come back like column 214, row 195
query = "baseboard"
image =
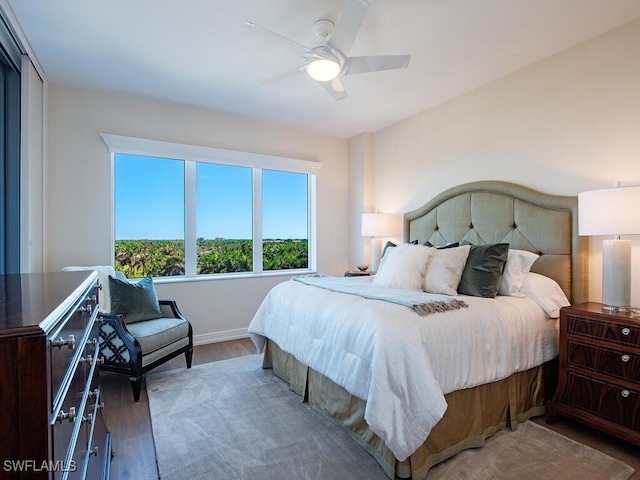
column 220, row 336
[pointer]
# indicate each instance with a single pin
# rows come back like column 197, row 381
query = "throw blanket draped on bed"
column 422, row 303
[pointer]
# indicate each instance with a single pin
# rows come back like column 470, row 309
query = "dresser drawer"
column 68, row 414
column 622, row 364
column 622, row 334
column 605, row 400
column 66, row 340
column 97, row 449
column 73, row 436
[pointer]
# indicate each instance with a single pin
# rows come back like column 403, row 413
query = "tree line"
column 161, row 258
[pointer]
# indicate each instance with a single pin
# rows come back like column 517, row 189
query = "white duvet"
column 403, row 364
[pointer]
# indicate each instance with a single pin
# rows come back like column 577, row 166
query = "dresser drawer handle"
column 87, row 359
column 86, row 309
column 625, row 393
column 626, row 331
column 70, row 342
column 71, row 416
column 625, row 358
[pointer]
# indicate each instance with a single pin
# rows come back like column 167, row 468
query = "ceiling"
column 199, row 52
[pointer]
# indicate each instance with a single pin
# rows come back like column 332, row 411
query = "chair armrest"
column 112, row 326
column 169, row 308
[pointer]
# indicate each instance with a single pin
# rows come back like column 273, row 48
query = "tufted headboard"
column 495, row 212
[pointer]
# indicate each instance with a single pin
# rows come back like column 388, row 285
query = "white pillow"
column 518, row 265
column 545, row 292
column 104, row 295
column 445, row 269
column 403, row 267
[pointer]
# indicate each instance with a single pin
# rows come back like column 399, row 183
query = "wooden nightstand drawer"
column 621, row 364
column 620, row 333
column 609, row 401
column 599, row 370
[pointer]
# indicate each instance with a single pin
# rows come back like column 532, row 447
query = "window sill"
column 230, row 276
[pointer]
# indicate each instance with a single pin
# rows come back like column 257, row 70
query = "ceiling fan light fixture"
column 323, row 70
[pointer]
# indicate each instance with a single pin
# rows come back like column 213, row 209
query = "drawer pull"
column 70, row 342
column 71, row 416
column 87, row 359
column 88, row 418
column 625, row 358
column 92, row 343
column 94, row 451
column 625, row 393
column 86, row 309
column 626, row 331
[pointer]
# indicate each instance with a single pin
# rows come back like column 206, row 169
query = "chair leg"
column 188, row 355
column 136, row 386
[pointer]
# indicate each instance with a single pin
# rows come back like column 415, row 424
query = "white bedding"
column 403, row 364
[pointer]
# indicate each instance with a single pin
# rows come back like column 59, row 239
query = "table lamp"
column 612, row 211
column 378, row 225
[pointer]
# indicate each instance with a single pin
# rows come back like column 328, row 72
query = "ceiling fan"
column 329, row 62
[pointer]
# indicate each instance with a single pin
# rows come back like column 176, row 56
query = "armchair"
column 134, row 349
column 133, row 344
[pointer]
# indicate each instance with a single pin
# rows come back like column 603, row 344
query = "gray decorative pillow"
column 390, row 244
column 448, row 245
column 483, row 271
column 137, row 301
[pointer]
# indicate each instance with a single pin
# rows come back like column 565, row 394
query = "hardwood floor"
column 135, row 456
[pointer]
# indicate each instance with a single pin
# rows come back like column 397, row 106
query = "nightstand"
column 599, row 371
column 357, row 273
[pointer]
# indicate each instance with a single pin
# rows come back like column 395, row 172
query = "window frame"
column 191, row 155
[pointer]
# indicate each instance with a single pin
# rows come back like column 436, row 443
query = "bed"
column 415, row 406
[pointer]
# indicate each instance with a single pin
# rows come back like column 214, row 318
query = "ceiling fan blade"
column 265, row 32
column 335, row 88
column 376, row 63
column 283, row 75
column 346, row 30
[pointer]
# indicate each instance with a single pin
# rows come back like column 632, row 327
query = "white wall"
column 78, row 191
column 564, row 125
column 360, row 197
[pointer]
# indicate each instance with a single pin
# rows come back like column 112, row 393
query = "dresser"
column 599, row 370
column 51, row 424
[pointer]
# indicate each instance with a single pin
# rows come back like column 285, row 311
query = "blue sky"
column 149, row 199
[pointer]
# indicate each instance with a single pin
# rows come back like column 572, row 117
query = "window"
column 217, row 212
column 285, row 220
column 149, row 216
column 224, row 218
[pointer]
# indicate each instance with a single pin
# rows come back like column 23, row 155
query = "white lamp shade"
column 610, row 211
column 379, row 224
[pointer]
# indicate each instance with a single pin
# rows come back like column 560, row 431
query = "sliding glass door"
column 9, row 155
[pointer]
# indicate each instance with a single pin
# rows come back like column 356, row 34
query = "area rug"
column 234, row 420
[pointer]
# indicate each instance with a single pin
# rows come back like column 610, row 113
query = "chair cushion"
column 159, row 332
